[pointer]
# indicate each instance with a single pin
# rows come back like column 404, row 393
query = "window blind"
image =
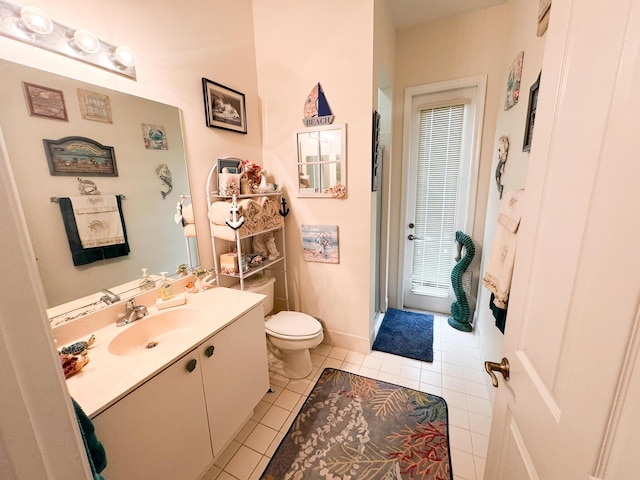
column 439, row 161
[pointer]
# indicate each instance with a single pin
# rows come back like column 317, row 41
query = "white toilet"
column 290, row 335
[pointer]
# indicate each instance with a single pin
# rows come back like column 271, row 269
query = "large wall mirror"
column 321, row 159
column 117, row 120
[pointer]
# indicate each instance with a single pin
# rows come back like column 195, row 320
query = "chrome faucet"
column 132, row 313
column 109, row 297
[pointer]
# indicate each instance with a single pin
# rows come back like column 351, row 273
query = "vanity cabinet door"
column 235, row 375
column 160, row 429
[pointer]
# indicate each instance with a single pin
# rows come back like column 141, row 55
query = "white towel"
column 98, row 220
column 187, row 214
column 190, row 230
column 94, row 204
column 219, row 212
column 503, row 252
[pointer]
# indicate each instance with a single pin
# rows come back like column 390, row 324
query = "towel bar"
column 56, row 199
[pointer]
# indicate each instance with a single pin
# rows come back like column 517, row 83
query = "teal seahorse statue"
column 460, row 311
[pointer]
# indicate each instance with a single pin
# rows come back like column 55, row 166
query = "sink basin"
column 157, row 330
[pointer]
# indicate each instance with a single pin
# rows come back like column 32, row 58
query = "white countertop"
column 108, row 377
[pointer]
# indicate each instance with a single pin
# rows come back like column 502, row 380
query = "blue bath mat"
column 406, row 334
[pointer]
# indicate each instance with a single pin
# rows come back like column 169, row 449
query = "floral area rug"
column 352, row 427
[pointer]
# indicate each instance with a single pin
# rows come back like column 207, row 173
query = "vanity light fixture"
column 124, row 56
column 33, row 26
column 36, row 20
column 86, row 41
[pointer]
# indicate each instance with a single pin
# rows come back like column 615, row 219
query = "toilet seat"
column 293, row 325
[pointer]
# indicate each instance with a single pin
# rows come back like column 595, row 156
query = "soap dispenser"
column 165, row 287
column 146, row 282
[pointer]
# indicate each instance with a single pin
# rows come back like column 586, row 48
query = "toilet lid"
column 293, row 324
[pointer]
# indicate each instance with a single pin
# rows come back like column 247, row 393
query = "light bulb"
column 86, row 41
column 125, row 56
column 36, row 20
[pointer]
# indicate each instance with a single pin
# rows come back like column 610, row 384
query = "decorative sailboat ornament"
column 316, row 108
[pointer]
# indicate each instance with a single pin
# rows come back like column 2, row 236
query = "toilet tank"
column 253, row 284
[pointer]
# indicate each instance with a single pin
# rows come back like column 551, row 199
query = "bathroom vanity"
column 168, row 411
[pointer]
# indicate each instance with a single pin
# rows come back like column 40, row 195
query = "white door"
column 443, row 122
column 569, row 410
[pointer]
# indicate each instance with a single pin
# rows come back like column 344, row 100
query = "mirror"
column 321, row 160
column 113, row 119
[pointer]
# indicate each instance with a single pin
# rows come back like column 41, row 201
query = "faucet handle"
column 131, row 304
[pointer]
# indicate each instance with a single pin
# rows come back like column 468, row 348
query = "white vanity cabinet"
column 235, row 375
column 160, row 429
column 174, row 425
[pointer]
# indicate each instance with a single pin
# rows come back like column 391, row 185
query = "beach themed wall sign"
column 316, row 108
column 80, row 156
column 320, row 243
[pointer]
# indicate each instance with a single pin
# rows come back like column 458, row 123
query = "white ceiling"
column 405, row 13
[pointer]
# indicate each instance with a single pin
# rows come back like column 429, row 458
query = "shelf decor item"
column 224, row 107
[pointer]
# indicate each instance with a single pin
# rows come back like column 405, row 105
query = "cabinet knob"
column 191, row 365
column 209, row 350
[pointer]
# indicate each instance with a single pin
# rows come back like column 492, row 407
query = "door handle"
column 413, row 237
column 502, row 367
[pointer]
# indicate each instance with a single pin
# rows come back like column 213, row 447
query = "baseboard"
column 348, row 341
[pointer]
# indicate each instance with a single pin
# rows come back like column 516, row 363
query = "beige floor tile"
column 243, row 463
column 287, row 399
column 338, row 353
column 274, row 445
column 275, row 417
column 322, row 349
column 463, row 465
column 226, row 455
column 355, row 357
column 260, row 468
column 245, row 431
column 260, row 438
column 460, row 438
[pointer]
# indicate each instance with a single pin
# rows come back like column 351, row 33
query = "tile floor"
column 456, row 374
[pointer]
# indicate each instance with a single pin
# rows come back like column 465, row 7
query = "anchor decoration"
column 236, row 223
column 284, row 211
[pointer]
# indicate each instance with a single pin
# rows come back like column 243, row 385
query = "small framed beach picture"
column 224, row 107
column 154, row 137
column 320, row 243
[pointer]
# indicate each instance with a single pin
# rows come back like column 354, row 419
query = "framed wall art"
column 513, row 82
column 531, row 114
column 154, row 137
column 376, row 152
column 45, row 102
column 320, row 243
column 224, row 107
column 94, row 106
column 80, row 156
